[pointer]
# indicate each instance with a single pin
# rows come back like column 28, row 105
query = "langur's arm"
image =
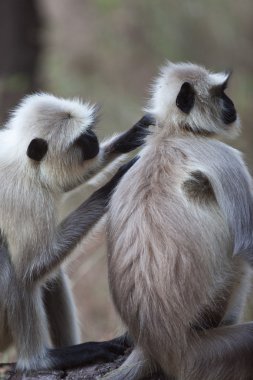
column 129, row 140
column 123, row 143
column 74, row 228
column 233, row 192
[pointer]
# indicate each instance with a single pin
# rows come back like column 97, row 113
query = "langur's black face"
column 88, row 144
column 227, row 108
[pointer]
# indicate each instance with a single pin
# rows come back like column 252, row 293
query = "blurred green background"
column 108, row 51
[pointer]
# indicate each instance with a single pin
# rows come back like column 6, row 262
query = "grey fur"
column 179, row 225
column 61, row 311
column 33, row 246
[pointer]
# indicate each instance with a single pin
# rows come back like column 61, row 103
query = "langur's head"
column 188, row 96
column 53, row 139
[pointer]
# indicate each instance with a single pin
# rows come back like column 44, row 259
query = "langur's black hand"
column 135, row 136
column 108, row 188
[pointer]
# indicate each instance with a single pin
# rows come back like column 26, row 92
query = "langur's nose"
column 89, row 145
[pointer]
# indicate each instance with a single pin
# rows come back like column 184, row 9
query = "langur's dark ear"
column 37, row 149
column 186, row 97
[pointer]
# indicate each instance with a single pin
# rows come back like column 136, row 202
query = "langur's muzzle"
column 89, row 145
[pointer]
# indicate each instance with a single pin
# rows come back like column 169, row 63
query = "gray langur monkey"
column 180, row 237
column 48, row 147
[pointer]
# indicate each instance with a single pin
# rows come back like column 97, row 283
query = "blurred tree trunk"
column 19, row 46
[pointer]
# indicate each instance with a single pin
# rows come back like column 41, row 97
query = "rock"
column 91, row 372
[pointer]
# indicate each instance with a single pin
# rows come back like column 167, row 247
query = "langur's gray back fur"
column 180, row 223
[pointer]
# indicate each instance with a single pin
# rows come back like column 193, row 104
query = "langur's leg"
column 221, row 353
column 61, row 312
column 28, row 325
column 62, row 318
